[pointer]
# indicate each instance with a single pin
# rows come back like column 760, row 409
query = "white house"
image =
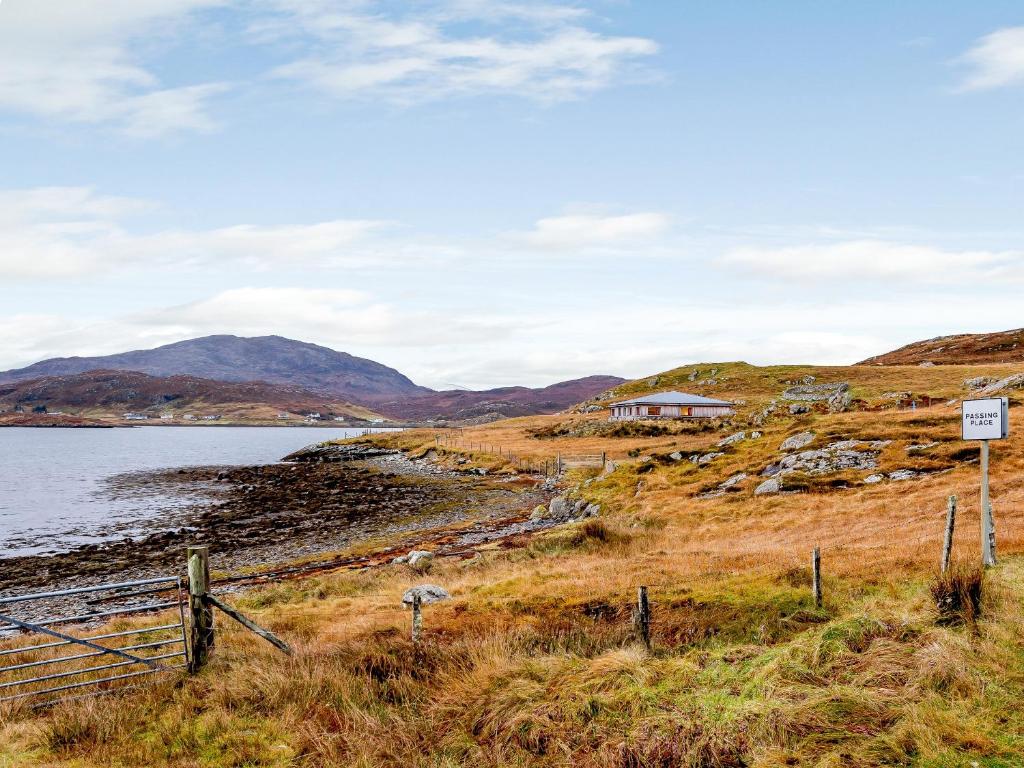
column 669, row 405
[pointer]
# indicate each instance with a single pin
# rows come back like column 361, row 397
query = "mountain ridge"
column 957, row 349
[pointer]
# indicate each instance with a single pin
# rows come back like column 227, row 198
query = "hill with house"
column 105, row 395
column 280, row 372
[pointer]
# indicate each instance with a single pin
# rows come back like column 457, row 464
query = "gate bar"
column 62, row 636
column 82, row 590
column 97, row 615
column 30, row 648
column 92, row 682
column 59, row 659
column 86, row 670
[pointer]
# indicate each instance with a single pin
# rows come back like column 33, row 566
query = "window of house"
column 654, row 410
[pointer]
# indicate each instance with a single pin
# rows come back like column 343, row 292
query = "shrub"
column 957, row 594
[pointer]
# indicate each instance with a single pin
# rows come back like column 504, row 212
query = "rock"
column 429, row 593
column 558, row 508
column 844, row 445
column 921, row 447
column 768, row 486
column 676, row 456
column 693, row 376
column 1010, row 382
column 771, row 470
column 694, row 458
column 815, row 392
column 737, row 478
column 592, row 510
column 796, row 409
column 871, row 479
column 877, row 445
column 926, row 364
column 400, row 559
column 332, row 453
column 840, row 401
column 755, row 435
column 480, row 471
column 539, row 512
column 825, row 461
column 903, row 474
column 733, row 439
column 707, row 458
column 653, row 381
column 797, row 441
column 420, row 559
column 978, row 382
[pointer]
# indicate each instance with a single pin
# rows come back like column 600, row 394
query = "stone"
column 772, row 485
column 797, row 441
column 707, row 458
column 771, row 470
column 733, row 439
column 978, row 382
column 399, row 560
column 840, row 401
column 734, row 480
column 815, row 392
column 429, row 593
column 797, row 409
column 558, row 507
column 825, row 461
column 592, row 510
column 872, row 479
column 676, row 456
column 903, row 474
column 539, row 512
column 693, row 376
column 420, row 559
column 877, row 445
column 755, row 435
column 926, row 364
column 1010, row 382
column 921, row 447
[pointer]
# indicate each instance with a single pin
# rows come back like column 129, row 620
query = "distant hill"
column 96, row 393
column 963, row 349
column 272, row 359
column 464, row 405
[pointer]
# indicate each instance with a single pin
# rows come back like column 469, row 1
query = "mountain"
column 272, row 359
column 963, row 349
column 462, row 405
column 111, row 393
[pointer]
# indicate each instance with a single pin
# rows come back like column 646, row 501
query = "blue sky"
column 484, row 192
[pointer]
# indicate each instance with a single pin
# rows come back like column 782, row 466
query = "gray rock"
column 772, row 485
column 539, row 513
column 755, row 435
column 978, row 382
column 693, row 376
column 877, row 445
column 735, row 479
column 559, row 507
column 840, row 401
column 921, row 447
column 903, row 474
column 815, row 392
column 797, row 409
column 926, row 364
column 420, row 558
column 592, row 510
column 796, row 442
column 771, row 470
column 826, row 462
column 872, row 479
column 707, row 458
column 844, row 445
column 733, row 439
column 676, row 456
column 1010, row 382
column 399, row 560
column 429, row 593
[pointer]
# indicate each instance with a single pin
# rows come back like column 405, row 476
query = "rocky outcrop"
column 836, row 395
column 562, row 510
column 1016, row 381
column 797, row 441
column 330, row 453
column 733, row 439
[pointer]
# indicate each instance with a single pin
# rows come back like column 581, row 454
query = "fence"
column 555, row 465
column 132, row 653
column 104, row 662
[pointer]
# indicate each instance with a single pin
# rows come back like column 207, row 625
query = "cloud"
column 995, row 61
column 584, row 230
column 80, row 63
column 874, row 260
column 435, row 50
column 62, row 232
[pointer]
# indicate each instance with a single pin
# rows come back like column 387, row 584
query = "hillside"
column 504, row 402
column 963, row 349
column 534, row 661
column 111, row 393
column 271, row 359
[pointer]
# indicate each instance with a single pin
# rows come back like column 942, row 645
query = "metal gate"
column 144, row 643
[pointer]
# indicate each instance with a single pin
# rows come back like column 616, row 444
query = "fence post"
column 604, row 459
column 947, row 544
column 558, row 465
column 816, row 575
column 642, row 617
column 417, row 616
column 200, row 611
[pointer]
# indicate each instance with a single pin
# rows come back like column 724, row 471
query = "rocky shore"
column 322, row 500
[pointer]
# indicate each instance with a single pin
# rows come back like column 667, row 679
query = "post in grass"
column 200, row 611
column 947, row 544
column 816, row 576
column 642, row 617
column 417, row 616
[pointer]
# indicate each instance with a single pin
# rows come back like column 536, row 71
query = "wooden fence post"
column 947, row 544
column 642, row 617
column 417, row 616
column 558, row 465
column 200, row 611
column 604, row 459
column 816, row 575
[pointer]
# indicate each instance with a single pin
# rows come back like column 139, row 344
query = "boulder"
column 420, row 559
column 816, row 392
column 735, row 479
column 707, row 458
column 797, row 441
column 903, row 474
column 978, row 382
column 872, row 479
column 676, row 456
column 429, row 593
column 539, row 512
column 772, row 485
column 1016, row 381
column 755, row 435
column 732, row 439
column 797, row 409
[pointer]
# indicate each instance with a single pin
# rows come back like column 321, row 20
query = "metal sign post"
column 986, row 420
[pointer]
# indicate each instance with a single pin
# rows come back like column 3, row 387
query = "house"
column 282, row 416
column 189, row 417
column 135, row 417
column 166, row 417
column 339, row 418
column 669, row 405
column 212, row 417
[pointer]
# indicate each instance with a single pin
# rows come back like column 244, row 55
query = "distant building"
column 282, row 416
column 135, row 417
column 166, row 417
column 313, row 416
column 212, row 417
column 376, row 421
column 669, row 405
column 188, row 417
column 339, row 418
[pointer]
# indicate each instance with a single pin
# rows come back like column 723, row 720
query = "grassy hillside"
column 534, row 662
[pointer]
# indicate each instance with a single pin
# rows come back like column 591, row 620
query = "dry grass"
column 534, row 662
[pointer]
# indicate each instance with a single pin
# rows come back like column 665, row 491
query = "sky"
column 493, row 192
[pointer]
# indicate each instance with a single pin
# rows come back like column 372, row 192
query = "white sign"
column 986, row 419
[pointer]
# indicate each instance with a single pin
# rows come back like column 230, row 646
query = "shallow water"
column 54, row 483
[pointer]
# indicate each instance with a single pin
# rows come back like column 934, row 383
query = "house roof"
column 672, row 398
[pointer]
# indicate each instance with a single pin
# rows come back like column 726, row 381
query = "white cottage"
column 669, row 405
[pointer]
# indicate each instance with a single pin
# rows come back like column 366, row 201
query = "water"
column 53, row 489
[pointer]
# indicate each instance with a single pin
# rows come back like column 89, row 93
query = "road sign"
column 986, row 419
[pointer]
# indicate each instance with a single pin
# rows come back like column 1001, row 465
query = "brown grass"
column 534, row 663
